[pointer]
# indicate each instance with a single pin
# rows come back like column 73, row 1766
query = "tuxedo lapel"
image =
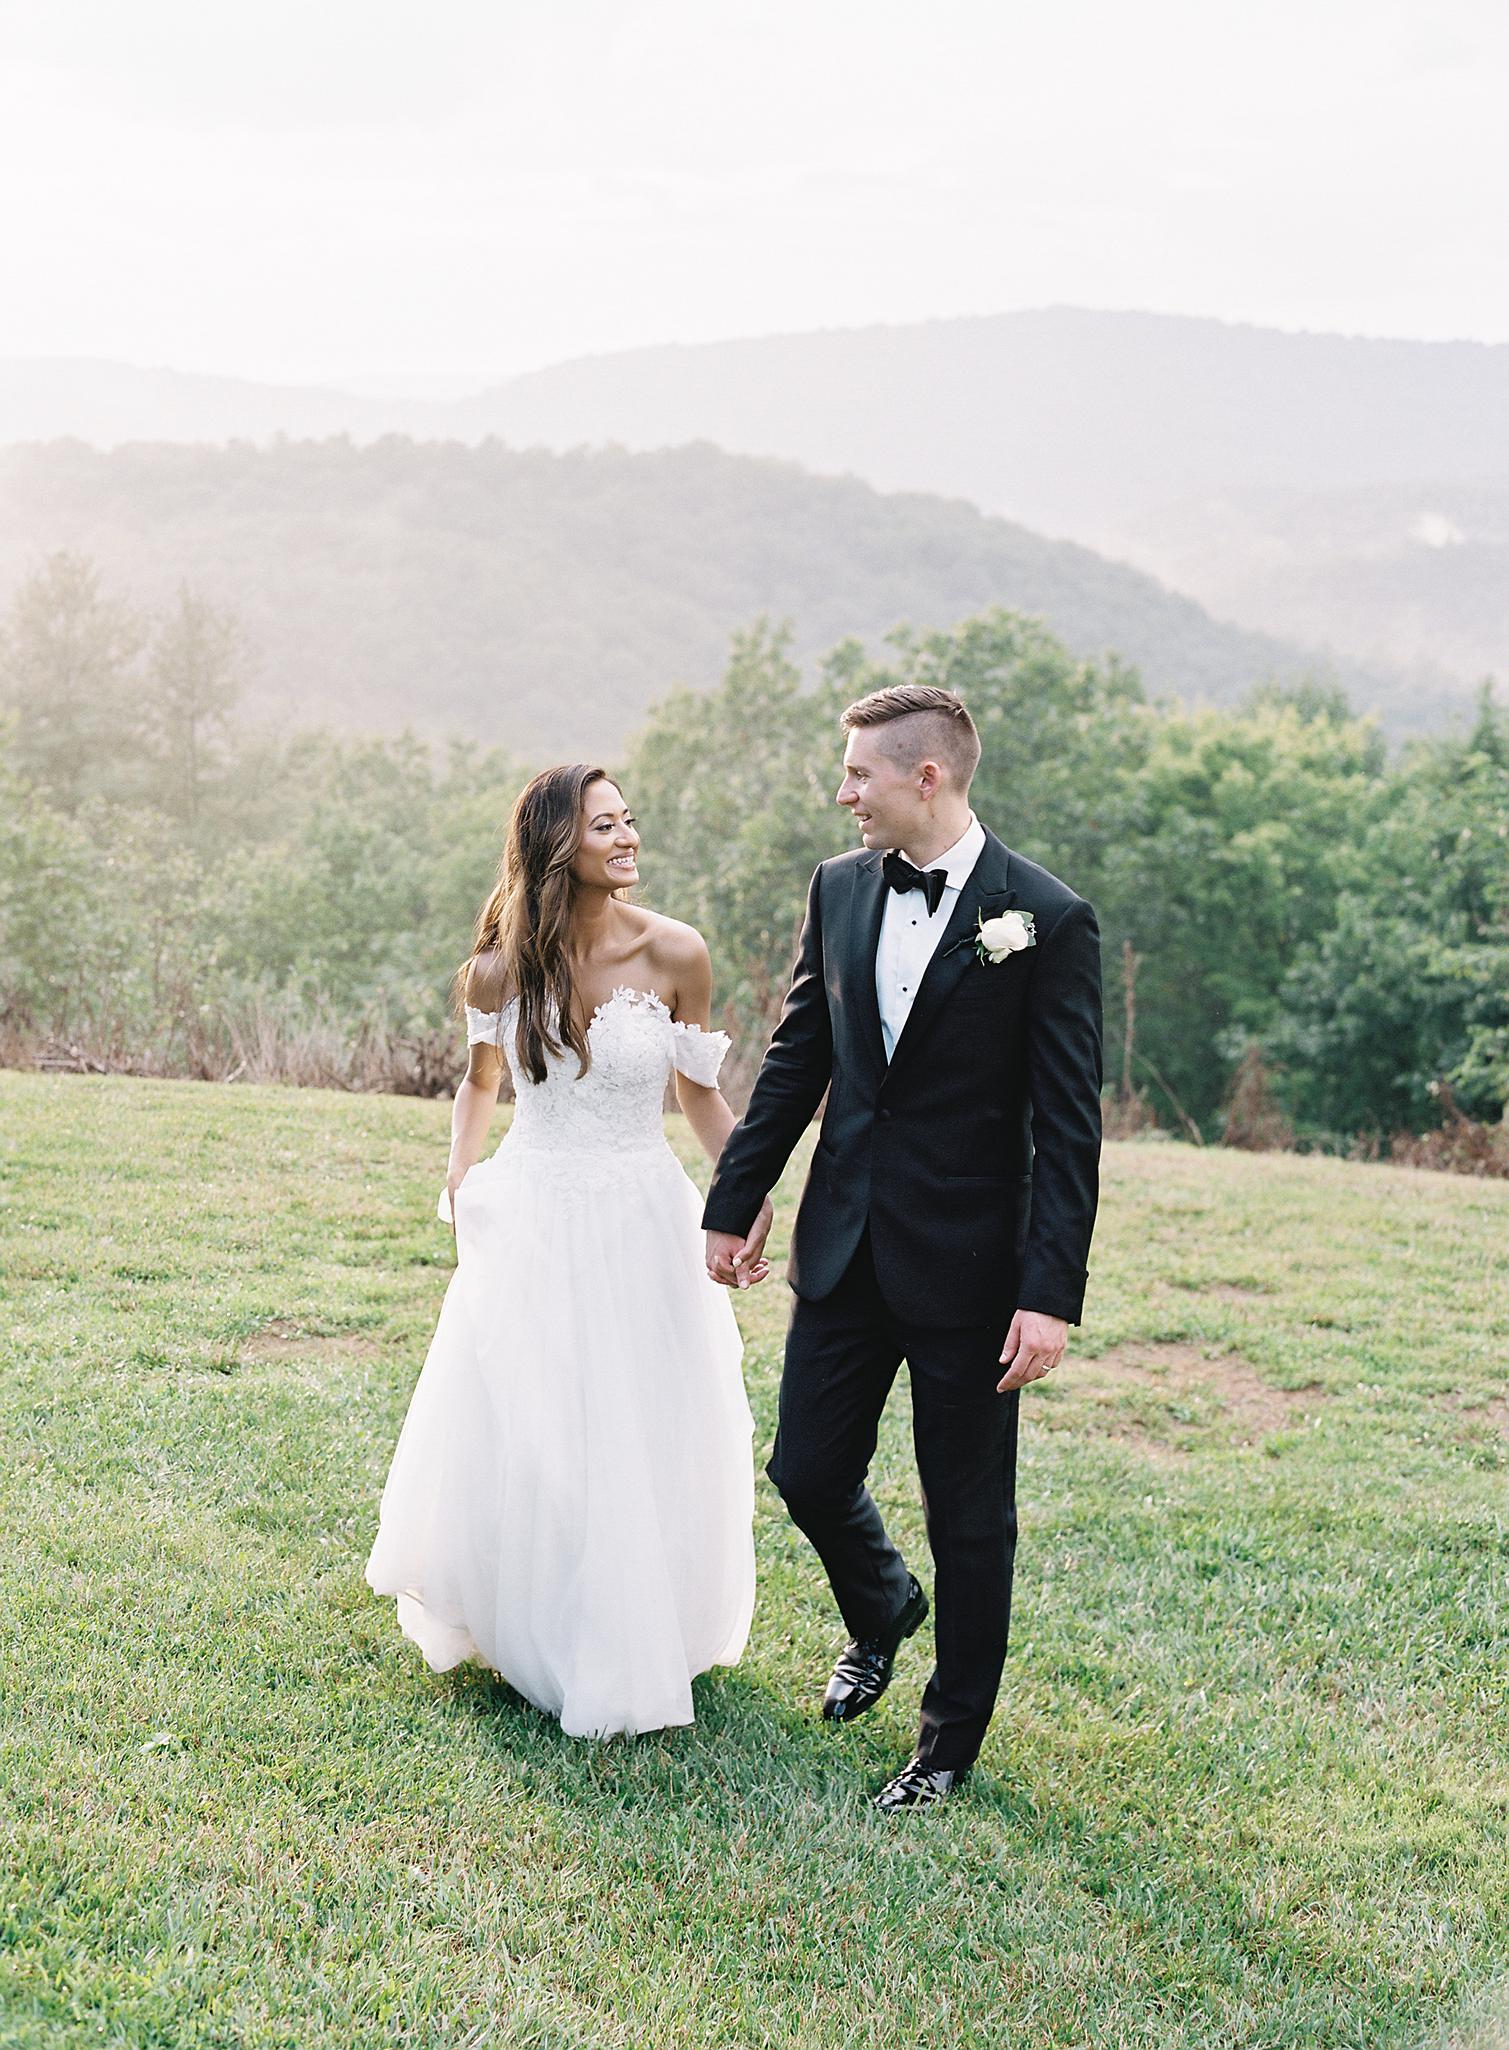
column 986, row 893
column 866, row 909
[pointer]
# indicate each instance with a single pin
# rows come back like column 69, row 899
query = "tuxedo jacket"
column 974, row 1153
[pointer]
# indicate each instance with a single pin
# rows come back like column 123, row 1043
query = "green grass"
column 1246, row 1787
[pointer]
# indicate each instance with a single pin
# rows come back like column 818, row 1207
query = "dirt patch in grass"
column 1171, row 1399
column 1227, row 1291
column 1492, row 1415
column 285, row 1340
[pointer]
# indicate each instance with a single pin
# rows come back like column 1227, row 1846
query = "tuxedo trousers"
column 843, row 1353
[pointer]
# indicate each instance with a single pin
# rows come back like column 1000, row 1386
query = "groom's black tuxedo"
column 948, row 1188
column 974, row 1154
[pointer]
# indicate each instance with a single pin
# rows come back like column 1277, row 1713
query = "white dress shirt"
column 909, row 935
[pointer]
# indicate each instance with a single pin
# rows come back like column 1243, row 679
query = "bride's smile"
column 608, row 851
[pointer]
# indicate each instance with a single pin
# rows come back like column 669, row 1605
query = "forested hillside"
column 542, row 602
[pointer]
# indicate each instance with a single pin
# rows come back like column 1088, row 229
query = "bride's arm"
column 703, row 1105
column 706, row 1112
column 477, row 1097
column 471, row 1114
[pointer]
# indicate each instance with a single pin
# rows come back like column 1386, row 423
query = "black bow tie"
column 902, row 877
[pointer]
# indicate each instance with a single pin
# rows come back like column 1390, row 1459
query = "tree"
column 48, row 879
column 367, row 894
column 193, row 681
column 68, row 670
column 1408, row 985
column 1238, row 833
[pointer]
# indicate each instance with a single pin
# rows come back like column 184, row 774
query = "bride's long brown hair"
column 526, row 922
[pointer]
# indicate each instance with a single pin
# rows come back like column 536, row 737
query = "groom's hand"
column 1034, row 1346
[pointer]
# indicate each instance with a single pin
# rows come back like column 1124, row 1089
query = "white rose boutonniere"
column 1007, row 934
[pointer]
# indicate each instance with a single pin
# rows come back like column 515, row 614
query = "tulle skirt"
column 571, row 1498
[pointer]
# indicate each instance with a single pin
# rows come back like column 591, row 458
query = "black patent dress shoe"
column 916, row 1786
column 863, row 1672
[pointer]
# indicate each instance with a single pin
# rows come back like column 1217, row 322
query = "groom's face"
column 882, row 797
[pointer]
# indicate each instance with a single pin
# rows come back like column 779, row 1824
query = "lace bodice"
column 616, row 1106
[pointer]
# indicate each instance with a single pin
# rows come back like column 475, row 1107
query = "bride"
column 571, row 1497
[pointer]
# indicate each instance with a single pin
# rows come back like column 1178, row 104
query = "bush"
column 1460, row 1145
column 1254, row 1119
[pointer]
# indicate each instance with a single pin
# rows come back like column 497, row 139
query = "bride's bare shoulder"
column 680, row 966
column 674, row 946
column 486, row 983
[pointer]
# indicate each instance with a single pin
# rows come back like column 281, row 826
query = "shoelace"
column 917, row 1781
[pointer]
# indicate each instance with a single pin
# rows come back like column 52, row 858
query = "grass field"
column 1247, row 1785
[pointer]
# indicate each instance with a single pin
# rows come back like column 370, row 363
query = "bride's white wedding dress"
column 572, row 1494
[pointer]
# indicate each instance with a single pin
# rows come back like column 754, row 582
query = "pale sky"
column 429, row 197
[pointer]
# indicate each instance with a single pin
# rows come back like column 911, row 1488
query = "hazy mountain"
column 1070, row 421
column 1064, row 419
column 1117, row 430
column 1397, row 574
column 543, row 600
column 106, row 404
column 1188, row 447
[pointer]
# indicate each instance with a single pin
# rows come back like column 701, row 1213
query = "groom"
column 946, row 996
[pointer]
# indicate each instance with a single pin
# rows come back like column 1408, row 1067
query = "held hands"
column 739, row 1262
column 1034, row 1346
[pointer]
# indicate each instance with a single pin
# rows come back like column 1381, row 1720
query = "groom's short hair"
column 925, row 721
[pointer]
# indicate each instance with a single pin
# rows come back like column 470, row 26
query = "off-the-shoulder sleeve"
column 483, row 1026
column 697, row 1054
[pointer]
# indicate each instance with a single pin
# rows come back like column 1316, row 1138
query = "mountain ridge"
column 544, row 601
column 1114, row 430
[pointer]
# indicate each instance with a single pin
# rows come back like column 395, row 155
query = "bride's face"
column 605, row 853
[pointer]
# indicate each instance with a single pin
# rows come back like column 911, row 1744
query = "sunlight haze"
column 398, row 199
